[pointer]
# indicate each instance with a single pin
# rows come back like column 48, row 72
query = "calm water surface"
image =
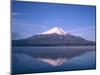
column 48, row 59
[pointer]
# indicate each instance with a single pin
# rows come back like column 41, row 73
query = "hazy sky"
column 29, row 18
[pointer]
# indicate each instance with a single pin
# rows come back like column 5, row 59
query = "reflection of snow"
column 84, row 61
column 54, row 62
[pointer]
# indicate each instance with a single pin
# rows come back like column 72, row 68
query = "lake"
column 51, row 59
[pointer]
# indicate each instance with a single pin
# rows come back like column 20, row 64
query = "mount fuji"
column 53, row 37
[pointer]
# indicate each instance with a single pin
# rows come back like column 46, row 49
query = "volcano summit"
column 56, row 30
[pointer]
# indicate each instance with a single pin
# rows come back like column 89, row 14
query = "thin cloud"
column 82, row 30
column 15, row 14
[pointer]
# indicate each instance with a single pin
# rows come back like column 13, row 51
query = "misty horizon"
column 42, row 33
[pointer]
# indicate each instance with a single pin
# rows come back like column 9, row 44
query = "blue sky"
column 29, row 18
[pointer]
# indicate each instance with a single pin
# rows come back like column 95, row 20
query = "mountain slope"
column 53, row 37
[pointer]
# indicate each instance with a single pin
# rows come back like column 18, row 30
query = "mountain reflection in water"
column 53, row 62
column 24, row 62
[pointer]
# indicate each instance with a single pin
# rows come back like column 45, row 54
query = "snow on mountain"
column 53, row 37
column 56, row 30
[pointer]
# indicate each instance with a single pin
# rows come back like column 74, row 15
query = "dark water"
column 50, row 59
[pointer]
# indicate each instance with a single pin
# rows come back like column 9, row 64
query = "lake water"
column 50, row 59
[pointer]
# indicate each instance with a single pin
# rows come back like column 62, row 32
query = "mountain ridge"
column 53, row 37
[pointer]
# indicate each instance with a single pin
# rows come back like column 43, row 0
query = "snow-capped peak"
column 56, row 30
